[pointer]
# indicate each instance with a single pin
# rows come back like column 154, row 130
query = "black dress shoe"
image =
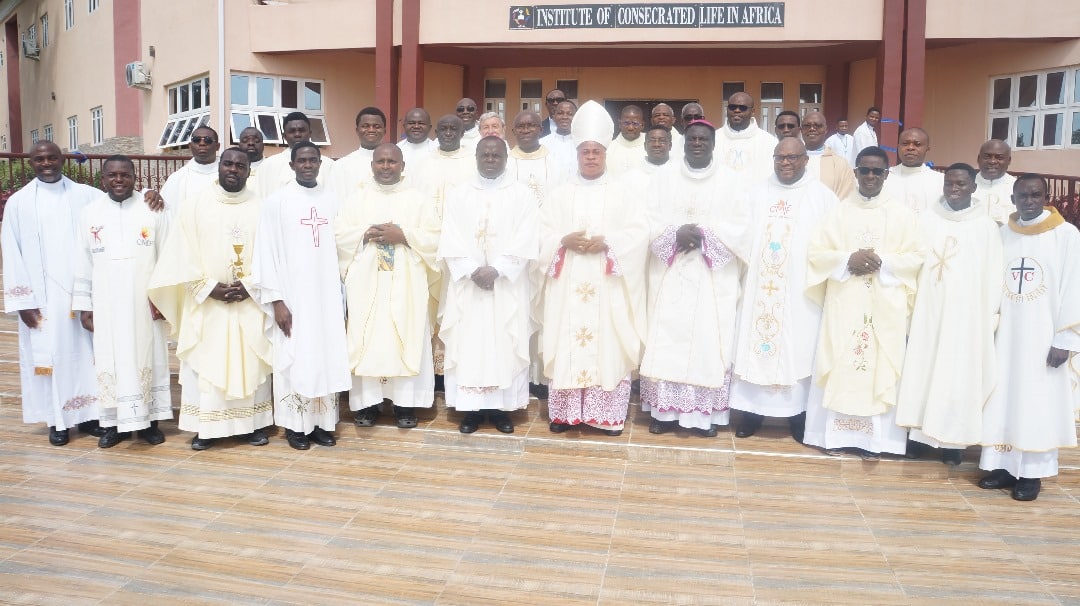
column 952, row 456
column 112, row 437
column 706, row 433
column 405, row 417
column 471, row 422
column 258, row 438
column 555, row 427
column 366, row 417
column 999, row 478
column 658, row 427
column 198, row 443
column 1026, row 489
column 93, row 428
column 58, row 437
column 501, row 421
column 152, row 434
column 322, row 437
column 538, row 390
column 613, row 432
column 914, row 450
column 749, row 425
column 797, row 424
column 297, row 440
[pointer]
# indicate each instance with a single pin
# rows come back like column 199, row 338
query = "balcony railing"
column 150, row 171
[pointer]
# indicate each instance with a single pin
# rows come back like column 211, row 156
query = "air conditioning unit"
column 135, row 75
column 30, row 49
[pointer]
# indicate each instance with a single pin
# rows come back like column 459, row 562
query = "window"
column 34, row 137
column 730, row 88
column 47, row 130
column 31, row 37
column 569, row 88
column 73, row 133
column 771, row 103
column 97, row 123
column 44, row 30
column 69, row 14
column 1036, row 110
column 3, row 142
column 1, row 58
column 263, row 102
column 495, row 97
column 92, row 5
column 189, row 108
column 809, row 98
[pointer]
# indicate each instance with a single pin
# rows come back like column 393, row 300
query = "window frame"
column 35, row 136
column 45, row 31
column 69, row 14
column 181, row 123
column 1069, row 107
column 92, row 5
column 260, row 115
column 73, row 133
column 97, row 125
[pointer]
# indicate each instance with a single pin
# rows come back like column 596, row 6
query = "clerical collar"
column 204, row 169
column 816, row 152
column 388, row 188
column 540, row 152
column 1047, row 220
column 803, row 180
column 486, row 183
column 229, row 197
column 54, row 187
column 121, row 202
column 449, row 154
column 949, row 213
column 1044, row 215
column 746, row 133
column 621, row 140
column 904, row 171
column 993, row 182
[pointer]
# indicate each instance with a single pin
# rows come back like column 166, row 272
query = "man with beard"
column 251, row 143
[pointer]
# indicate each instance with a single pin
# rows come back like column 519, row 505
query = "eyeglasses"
column 631, row 123
column 466, row 108
column 789, row 158
column 783, row 126
column 692, row 117
column 556, row 99
column 867, row 170
column 206, row 140
column 738, row 108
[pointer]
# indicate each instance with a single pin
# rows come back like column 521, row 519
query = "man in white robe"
column 200, row 285
column 663, row 116
column 120, row 239
column 489, row 242
column 449, row 165
column 417, row 145
column 1031, row 413
column 778, row 320
column 742, row 146
column 657, row 159
column 995, row 184
column 627, row 149
column 186, row 183
column 252, row 144
column 912, row 182
column 867, row 252
column 841, row 142
column 39, row 237
column 697, row 231
column 275, row 172
column 594, row 236
column 949, row 369
column 387, row 233
column 294, row 277
column 824, row 164
column 865, row 134
column 560, row 143
column 355, row 169
column 469, row 112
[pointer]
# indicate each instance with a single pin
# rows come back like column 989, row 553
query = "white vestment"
column 415, row 155
column 488, row 222
column 843, row 146
column 351, row 172
column 540, row 170
column 295, row 262
column 388, row 296
column 187, row 182
column 864, row 136
column 996, row 196
column 778, row 320
column 119, row 244
column 224, row 354
column 919, row 187
column 39, row 236
column 624, row 155
column 593, row 304
column 275, row 173
column 564, row 150
column 693, row 295
column 949, row 368
column 678, row 144
column 747, row 152
column 470, row 138
column 864, row 323
column 1031, row 413
column 443, row 171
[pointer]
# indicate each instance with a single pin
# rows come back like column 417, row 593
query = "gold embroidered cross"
column 586, row 292
column 948, row 251
column 583, row 336
column 482, row 235
column 770, row 288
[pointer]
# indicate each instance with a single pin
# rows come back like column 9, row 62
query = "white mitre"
column 592, row 123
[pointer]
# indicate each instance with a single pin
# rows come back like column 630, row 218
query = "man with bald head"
column 664, row 117
column 196, row 174
column 417, row 144
column 831, row 169
column 387, row 232
column 56, row 358
column 628, row 148
column 469, row 112
column 913, row 182
column 251, row 143
column 778, row 321
column 994, row 182
column 691, row 112
column 742, row 146
column 531, row 163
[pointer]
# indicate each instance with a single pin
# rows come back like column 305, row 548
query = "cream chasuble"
column 187, row 183
column 388, row 294
column 832, row 170
column 275, row 173
column 1033, row 407
column 224, row 353
column 119, row 244
column 919, row 188
column 996, row 196
column 949, row 369
column 539, row 170
column 351, row 172
column 748, row 152
column 624, row 155
column 488, row 222
column 39, row 236
column 470, row 138
column 443, row 171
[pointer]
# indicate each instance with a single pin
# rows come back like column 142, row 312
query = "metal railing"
column 1064, row 193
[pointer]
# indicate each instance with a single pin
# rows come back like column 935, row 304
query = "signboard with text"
column 682, row 15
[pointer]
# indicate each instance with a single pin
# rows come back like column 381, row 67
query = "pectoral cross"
column 315, row 221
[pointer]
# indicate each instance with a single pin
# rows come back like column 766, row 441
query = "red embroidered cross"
column 315, row 221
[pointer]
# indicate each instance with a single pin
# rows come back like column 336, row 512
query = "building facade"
column 964, row 70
